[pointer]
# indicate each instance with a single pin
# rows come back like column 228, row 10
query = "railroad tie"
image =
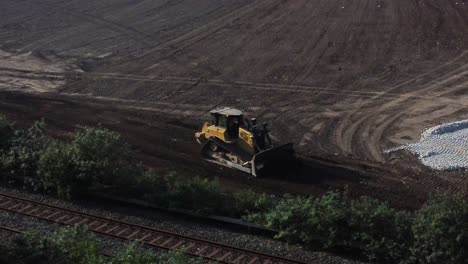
column 101, row 226
column 93, row 223
column 201, row 250
column 223, row 257
column 32, row 211
column 5, row 203
column 238, row 259
column 212, row 254
column 152, row 242
column 178, row 244
column 133, row 234
column 82, row 221
column 142, row 239
column 253, row 260
column 52, row 215
column 190, row 246
column 167, row 242
column 71, row 220
column 112, row 229
column 14, row 206
column 61, row 218
column 122, row 231
column 25, row 208
column 38, row 212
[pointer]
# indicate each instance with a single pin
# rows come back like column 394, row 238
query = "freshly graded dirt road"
column 343, row 80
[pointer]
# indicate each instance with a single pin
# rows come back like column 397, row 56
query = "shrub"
column 68, row 246
column 77, row 246
column 441, row 232
column 253, row 205
column 304, row 220
column 19, row 161
column 177, row 258
column 6, row 133
column 152, row 187
column 103, row 156
column 58, row 172
column 136, row 255
column 291, row 217
column 96, row 157
column 201, row 195
column 383, row 233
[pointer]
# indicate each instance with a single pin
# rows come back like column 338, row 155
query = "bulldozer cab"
column 228, row 118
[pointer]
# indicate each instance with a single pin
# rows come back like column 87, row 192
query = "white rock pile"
column 443, row 147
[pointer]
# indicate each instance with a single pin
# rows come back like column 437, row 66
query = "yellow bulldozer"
column 232, row 141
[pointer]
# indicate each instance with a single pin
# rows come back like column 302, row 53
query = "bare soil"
column 343, row 80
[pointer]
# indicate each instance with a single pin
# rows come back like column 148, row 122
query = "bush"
column 77, row 246
column 96, row 157
column 19, row 161
column 441, row 232
column 103, row 156
column 136, row 255
column 68, row 246
column 152, row 187
column 291, row 217
column 304, row 220
column 200, row 195
column 253, row 205
column 383, row 233
column 6, row 133
column 58, row 172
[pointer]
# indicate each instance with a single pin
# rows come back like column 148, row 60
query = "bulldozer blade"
column 274, row 157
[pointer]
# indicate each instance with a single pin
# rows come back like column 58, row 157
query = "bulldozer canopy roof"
column 227, row 111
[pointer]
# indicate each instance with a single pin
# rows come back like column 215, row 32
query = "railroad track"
column 7, row 235
column 148, row 236
column 10, row 231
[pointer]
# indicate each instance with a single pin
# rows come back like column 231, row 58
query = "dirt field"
column 343, row 80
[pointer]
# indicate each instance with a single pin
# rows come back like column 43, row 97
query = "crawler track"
column 146, row 235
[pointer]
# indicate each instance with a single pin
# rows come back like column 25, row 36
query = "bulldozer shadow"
column 308, row 171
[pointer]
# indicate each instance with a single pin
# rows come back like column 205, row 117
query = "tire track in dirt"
column 100, row 21
column 395, row 112
column 394, row 107
column 345, row 137
column 218, row 83
column 362, row 124
column 200, row 33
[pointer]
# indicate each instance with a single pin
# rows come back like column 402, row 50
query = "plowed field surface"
column 343, row 80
